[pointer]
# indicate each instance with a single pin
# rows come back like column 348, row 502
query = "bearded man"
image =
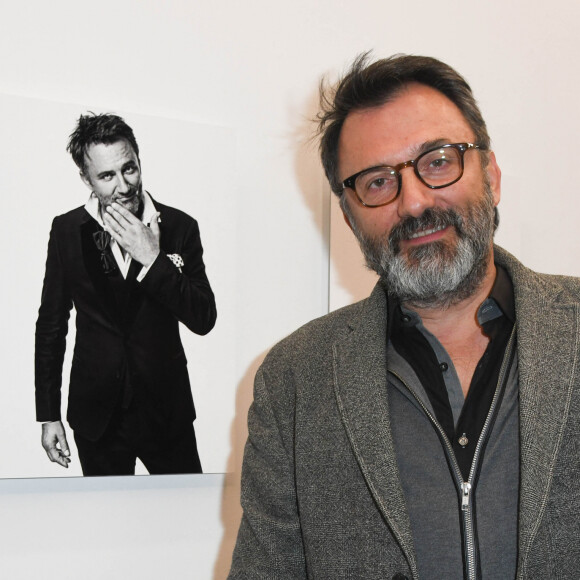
column 430, row 431
column 133, row 270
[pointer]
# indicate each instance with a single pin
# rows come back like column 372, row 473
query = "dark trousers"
column 129, row 437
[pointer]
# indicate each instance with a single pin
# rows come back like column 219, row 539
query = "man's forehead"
column 415, row 118
column 108, row 152
column 414, row 106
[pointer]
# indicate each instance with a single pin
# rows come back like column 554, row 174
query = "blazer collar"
column 547, row 321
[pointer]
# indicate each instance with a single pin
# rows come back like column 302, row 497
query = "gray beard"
column 437, row 274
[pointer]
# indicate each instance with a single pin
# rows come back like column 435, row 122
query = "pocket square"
column 177, row 261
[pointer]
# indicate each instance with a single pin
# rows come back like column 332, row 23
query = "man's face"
column 432, row 246
column 112, row 172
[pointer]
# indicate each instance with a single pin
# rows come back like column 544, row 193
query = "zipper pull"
column 465, row 489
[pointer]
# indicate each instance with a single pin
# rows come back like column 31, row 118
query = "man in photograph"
column 133, row 270
column 432, row 430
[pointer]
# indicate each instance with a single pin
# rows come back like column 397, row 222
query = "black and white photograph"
column 120, row 368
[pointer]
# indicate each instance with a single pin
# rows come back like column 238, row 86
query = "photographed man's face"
column 426, row 243
column 112, row 172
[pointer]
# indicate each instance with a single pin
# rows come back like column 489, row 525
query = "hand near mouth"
column 138, row 240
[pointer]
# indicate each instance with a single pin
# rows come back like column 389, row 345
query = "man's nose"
column 415, row 197
column 122, row 186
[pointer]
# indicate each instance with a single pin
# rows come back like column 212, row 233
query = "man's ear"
column 494, row 176
column 86, row 180
column 346, row 219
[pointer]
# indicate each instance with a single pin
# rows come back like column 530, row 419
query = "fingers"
column 122, row 215
column 53, row 434
column 111, row 224
column 121, row 223
column 114, row 227
column 56, row 456
column 64, row 449
column 117, row 219
column 138, row 240
column 60, row 459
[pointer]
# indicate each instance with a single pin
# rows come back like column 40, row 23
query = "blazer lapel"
column 360, row 371
column 94, row 268
column 548, row 347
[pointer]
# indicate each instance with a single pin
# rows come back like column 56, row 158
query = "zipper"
column 465, row 488
column 465, row 491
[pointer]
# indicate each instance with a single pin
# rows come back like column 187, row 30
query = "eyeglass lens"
column 436, row 168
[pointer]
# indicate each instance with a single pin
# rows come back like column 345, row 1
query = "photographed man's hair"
column 93, row 129
column 367, row 85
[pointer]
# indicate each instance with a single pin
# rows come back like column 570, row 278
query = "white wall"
column 252, row 69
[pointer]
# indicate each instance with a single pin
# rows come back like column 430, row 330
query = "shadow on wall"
column 231, row 511
column 349, row 279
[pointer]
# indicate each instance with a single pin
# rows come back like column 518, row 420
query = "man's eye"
column 380, row 182
column 438, row 162
column 107, row 177
column 377, row 182
column 130, row 170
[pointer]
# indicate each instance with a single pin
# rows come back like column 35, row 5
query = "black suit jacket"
column 130, row 344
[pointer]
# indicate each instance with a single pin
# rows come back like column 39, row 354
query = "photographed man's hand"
column 55, row 443
column 138, row 240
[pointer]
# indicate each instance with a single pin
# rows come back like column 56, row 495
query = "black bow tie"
column 103, row 243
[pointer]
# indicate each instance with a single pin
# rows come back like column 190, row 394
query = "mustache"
column 131, row 193
column 431, row 218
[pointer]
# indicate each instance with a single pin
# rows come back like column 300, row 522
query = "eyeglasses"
column 437, row 168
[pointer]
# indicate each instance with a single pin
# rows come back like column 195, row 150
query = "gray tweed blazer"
column 320, row 486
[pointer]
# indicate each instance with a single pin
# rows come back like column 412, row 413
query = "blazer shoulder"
column 78, row 214
column 173, row 215
column 71, row 220
column 570, row 285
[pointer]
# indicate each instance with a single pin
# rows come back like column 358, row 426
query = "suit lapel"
column 360, row 371
column 94, row 268
column 548, row 347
